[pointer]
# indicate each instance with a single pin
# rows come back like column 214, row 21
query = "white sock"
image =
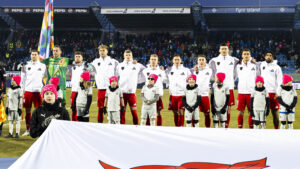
column 18, row 127
column 117, row 122
column 188, row 125
column 216, row 125
column 143, row 122
column 109, row 122
column 223, row 124
column 152, row 122
column 291, row 126
column 256, row 126
column 282, row 126
column 263, row 125
column 11, row 127
column 196, row 125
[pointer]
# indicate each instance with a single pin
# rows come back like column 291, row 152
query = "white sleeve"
column 279, row 76
column 90, row 91
column 23, row 78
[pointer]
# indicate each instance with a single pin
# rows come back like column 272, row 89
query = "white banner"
column 72, row 145
column 145, row 10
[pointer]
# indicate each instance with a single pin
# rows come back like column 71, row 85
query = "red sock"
column 276, row 127
column 100, row 115
column 250, row 122
column 176, row 119
column 159, row 120
column 135, row 118
column 27, row 120
column 228, row 120
column 207, row 120
column 148, row 121
column 240, row 121
column 123, row 116
column 181, row 120
column 74, row 116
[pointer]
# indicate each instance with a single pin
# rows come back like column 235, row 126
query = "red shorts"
column 159, row 105
column 243, row 101
column 175, row 103
column 274, row 105
column 231, row 98
column 72, row 98
column 101, row 97
column 204, row 105
column 129, row 98
column 32, row 97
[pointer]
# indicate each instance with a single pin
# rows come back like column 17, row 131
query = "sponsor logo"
column 257, row 164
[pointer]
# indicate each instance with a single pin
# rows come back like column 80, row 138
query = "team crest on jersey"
column 218, row 63
column 39, row 69
column 29, row 68
column 241, row 68
column 122, row 68
column 272, row 70
column 99, row 64
column 172, row 73
column 159, row 75
column 264, row 68
column 182, row 73
column 231, row 63
column 148, row 73
column 74, row 67
column 133, row 68
column 197, row 72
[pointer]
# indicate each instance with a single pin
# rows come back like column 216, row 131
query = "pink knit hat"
column 221, row 76
column 154, row 76
column 113, row 78
column 17, row 79
column 192, row 76
column 54, row 81
column 286, row 78
column 51, row 88
column 259, row 79
column 85, row 76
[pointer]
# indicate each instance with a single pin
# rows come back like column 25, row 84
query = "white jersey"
column 82, row 95
column 113, row 99
column 32, row 75
column 225, row 65
column 219, row 95
column 287, row 97
column 272, row 75
column 161, row 77
column 259, row 100
column 14, row 99
column 177, row 80
column 149, row 94
column 192, row 95
column 246, row 73
column 203, row 79
column 76, row 70
column 103, row 70
column 129, row 76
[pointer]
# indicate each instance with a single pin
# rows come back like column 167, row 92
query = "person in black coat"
column 2, row 88
column 50, row 109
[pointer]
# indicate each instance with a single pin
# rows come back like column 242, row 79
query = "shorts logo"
column 218, row 63
column 99, row 64
column 122, row 68
column 172, row 73
column 241, row 68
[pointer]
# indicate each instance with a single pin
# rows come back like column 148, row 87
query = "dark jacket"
column 42, row 116
column 2, row 80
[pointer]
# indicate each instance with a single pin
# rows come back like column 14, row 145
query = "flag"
column 77, row 145
column 46, row 42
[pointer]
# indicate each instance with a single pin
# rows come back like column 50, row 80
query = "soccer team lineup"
column 206, row 90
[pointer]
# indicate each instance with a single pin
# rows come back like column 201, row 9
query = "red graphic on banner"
column 258, row 164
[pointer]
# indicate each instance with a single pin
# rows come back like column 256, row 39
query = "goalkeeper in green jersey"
column 57, row 67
